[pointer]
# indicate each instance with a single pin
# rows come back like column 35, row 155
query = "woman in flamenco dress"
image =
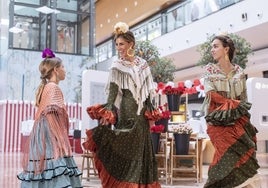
column 124, row 155
column 228, row 121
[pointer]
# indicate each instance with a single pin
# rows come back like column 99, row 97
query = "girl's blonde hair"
column 46, row 68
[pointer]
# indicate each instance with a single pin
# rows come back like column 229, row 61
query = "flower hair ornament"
column 120, row 27
column 47, row 53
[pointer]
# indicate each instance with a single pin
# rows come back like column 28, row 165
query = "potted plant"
column 165, row 116
column 162, row 68
column 182, row 134
column 173, row 93
column 243, row 49
column 156, row 130
column 182, row 128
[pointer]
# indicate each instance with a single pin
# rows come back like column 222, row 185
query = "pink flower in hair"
column 47, row 53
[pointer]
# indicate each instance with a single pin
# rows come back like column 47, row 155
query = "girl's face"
column 60, row 71
column 122, row 47
column 218, row 51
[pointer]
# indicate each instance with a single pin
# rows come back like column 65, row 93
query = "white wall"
column 93, row 92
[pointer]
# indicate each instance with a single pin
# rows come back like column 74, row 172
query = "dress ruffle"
column 47, row 159
column 54, row 170
column 99, row 111
column 89, row 144
column 227, row 113
column 129, row 163
column 153, row 115
column 234, row 139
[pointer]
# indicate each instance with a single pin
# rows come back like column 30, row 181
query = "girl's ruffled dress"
column 47, row 160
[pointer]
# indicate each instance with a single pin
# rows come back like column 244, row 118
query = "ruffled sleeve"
column 100, row 111
column 224, row 111
column 151, row 112
column 108, row 110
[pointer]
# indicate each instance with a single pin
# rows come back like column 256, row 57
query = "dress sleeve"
column 113, row 91
column 151, row 112
column 108, row 110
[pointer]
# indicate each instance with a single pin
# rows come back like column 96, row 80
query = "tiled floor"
column 10, row 167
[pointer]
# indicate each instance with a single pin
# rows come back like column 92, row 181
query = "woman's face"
column 60, row 71
column 218, row 51
column 122, row 47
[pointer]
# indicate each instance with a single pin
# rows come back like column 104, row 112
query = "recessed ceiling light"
column 108, row 20
column 116, row 15
column 135, row 3
column 101, row 25
column 125, row 9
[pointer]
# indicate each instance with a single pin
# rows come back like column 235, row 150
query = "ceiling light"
column 4, row 22
column 56, row 11
column 15, row 30
column 47, row 10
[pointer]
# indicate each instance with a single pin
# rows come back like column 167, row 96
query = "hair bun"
column 47, row 53
column 120, row 27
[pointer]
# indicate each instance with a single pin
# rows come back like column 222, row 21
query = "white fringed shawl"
column 136, row 78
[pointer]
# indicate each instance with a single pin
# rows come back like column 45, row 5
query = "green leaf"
column 162, row 68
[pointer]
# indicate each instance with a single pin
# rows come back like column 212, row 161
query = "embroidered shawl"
column 232, row 86
column 136, row 78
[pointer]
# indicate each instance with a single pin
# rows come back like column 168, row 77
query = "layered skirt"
column 47, row 160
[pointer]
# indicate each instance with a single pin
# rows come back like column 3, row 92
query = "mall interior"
column 80, row 32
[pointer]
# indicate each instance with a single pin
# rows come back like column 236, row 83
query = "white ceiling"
column 258, row 38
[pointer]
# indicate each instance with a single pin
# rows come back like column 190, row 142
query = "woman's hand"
column 151, row 123
column 103, row 121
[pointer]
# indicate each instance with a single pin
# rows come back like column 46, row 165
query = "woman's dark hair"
column 227, row 42
column 127, row 36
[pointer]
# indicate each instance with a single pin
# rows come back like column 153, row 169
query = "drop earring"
column 131, row 52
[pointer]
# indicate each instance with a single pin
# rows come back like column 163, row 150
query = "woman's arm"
column 113, row 91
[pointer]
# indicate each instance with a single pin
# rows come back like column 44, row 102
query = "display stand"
column 186, row 166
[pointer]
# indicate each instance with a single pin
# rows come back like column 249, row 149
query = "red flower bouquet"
column 170, row 89
column 157, row 129
column 166, row 114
